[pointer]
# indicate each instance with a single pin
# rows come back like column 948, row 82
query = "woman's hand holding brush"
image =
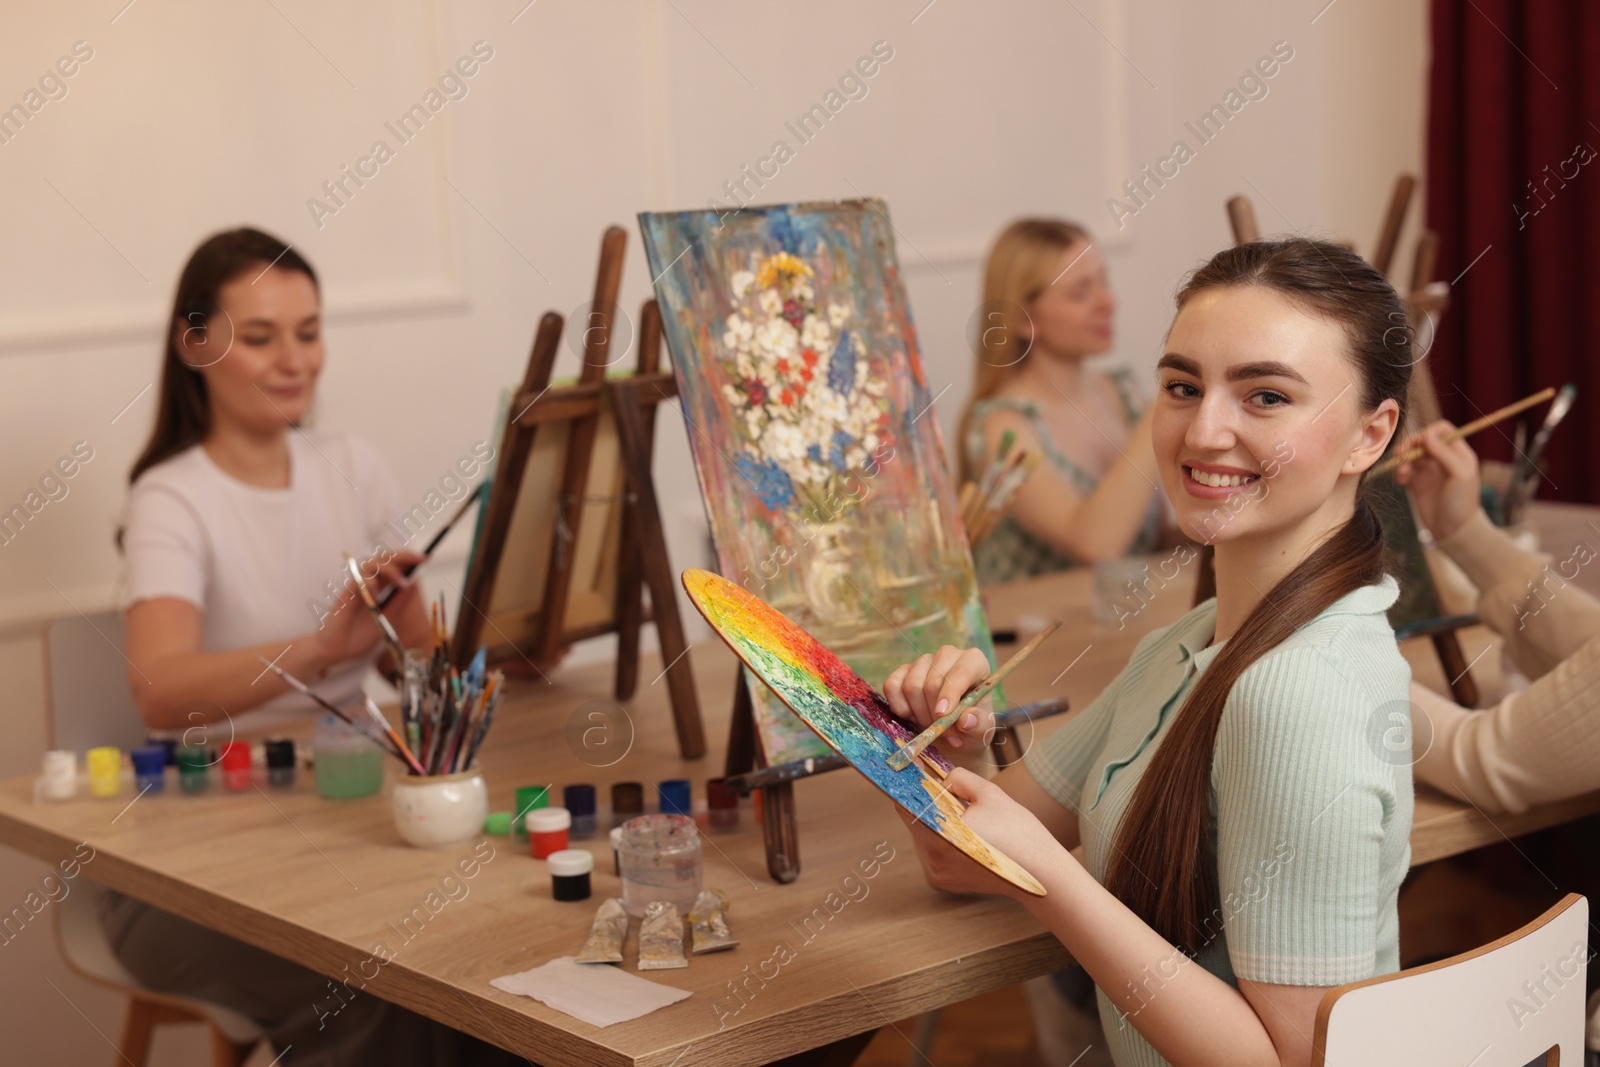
column 348, row 630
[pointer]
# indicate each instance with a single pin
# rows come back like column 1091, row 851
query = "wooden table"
column 325, row 883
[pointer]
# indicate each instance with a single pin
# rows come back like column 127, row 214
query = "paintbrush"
column 491, row 700
column 992, row 471
column 427, row 553
column 750, row 781
column 1005, row 490
column 377, row 613
column 969, row 493
column 1521, row 490
column 383, row 724
column 1417, row 451
column 974, row 493
column 901, row 759
column 305, row 690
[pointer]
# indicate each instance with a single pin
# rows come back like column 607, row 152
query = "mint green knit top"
column 1310, row 795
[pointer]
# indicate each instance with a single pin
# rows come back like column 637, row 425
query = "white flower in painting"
column 771, row 302
column 777, row 340
column 803, row 292
column 742, row 281
column 815, row 335
column 838, row 314
column 736, row 332
column 785, row 442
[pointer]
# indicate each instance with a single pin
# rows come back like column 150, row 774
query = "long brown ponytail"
column 1166, row 825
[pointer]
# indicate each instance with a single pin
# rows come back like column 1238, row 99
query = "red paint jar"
column 236, row 766
column 547, row 830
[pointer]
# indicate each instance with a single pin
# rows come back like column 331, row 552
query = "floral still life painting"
column 820, row 462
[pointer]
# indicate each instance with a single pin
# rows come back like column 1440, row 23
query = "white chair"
column 1514, row 1002
column 89, row 705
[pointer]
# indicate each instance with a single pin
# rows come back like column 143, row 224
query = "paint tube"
column 661, row 937
column 610, row 929
column 708, row 920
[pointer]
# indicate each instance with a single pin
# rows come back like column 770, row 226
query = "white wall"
column 191, row 117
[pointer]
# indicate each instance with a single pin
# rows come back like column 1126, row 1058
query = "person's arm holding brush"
column 176, row 684
column 932, row 684
column 1101, row 524
column 1532, row 747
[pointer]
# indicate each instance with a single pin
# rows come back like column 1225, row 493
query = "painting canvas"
column 821, row 466
column 513, row 619
column 846, row 712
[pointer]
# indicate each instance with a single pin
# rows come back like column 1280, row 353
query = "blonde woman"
column 1047, row 308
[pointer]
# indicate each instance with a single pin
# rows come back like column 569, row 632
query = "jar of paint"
column 280, row 763
column 346, row 764
column 660, row 861
column 529, row 798
column 236, row 773
column 579, row 800
column 569, row 874
column 627, row 801
column 616, row 851
column 722, row 807
column 441, row 810
column 105, row 771
column 149, row 768
column 675, row 797
column 169, row 745
column 498, row 823
column 547, row 831
column 194, row 769
column 58, row 775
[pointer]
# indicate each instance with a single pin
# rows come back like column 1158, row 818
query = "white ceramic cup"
column 440, row 811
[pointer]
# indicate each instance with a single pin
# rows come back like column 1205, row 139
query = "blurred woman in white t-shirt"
column 234, row 539
column 239, row 518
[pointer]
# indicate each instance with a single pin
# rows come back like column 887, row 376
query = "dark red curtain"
column 1514, row 194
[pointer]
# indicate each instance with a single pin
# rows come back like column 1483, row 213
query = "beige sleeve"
column 1534, row 747
column 1526, row 597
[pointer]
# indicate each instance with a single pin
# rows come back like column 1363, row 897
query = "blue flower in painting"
column 773, row 486
column 842, row 368
column 814, row 453
column 840, row 442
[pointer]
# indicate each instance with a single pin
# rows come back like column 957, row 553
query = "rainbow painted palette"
column 844, row 710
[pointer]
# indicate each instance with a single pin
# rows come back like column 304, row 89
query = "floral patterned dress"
column 1010, row 552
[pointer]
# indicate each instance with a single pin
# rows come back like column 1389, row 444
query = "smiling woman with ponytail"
column 1244, row 828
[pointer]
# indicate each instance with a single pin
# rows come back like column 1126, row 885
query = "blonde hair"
column 1024, row 260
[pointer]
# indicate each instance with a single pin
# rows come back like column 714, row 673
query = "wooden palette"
column 846, row 712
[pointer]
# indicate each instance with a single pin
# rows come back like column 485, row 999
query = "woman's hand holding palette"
column 844, row 710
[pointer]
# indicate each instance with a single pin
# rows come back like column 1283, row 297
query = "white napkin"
column 596, row 993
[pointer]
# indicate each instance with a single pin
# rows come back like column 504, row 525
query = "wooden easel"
column 1425, row 300
column 634, row 549
column 780, row 831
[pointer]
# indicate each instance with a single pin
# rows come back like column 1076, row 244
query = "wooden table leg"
column 838, row 1054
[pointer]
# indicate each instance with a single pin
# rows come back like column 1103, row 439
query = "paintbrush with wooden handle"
column 909, row 751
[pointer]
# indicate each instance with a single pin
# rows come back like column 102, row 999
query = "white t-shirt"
column 262, row 565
